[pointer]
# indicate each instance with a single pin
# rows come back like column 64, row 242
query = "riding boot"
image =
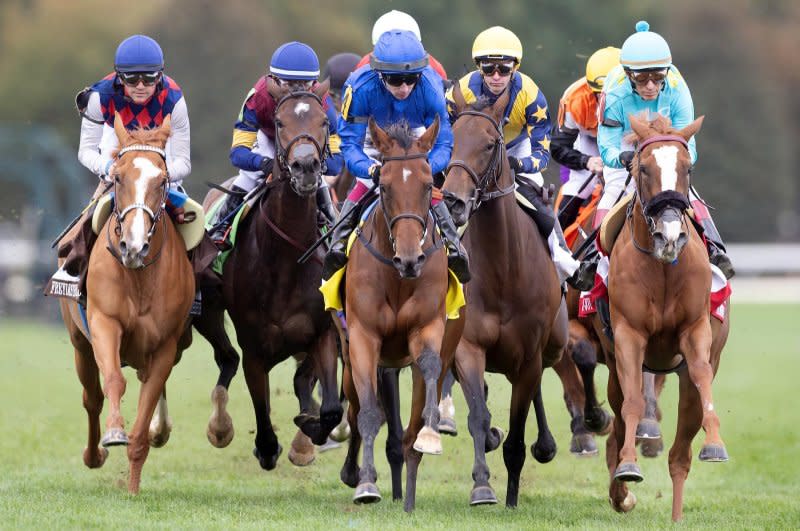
column 568, row 212
column 325, row 205
column 337, row 254
column 583, row 278
column 716, row 249
column 224, row 218
column 457, row 259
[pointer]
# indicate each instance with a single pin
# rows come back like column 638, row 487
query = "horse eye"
column 278, row 123
column 489, row 147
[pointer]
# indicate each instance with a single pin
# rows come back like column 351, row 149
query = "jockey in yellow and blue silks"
column 296, row 66
column 646, row 82
column 497, row 53
column 397, row 85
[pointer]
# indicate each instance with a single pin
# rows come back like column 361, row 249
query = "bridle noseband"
column 490, row 174
column 282, row 152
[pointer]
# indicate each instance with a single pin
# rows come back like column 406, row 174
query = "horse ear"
column 379, row 136
column 499, row 107
column 458, row 98
column 690, row 130
column 322, row 88
column 119, row 128
column 428, row 138
column 639, row 127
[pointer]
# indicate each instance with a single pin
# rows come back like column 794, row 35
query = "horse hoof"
column 329, row 444
column 96, row 460
column 628, row 472
column 220, row 425
column 341, row 432
column 648, row 429
column 302, row 451
column 494, row 439
column 114, row 437
column 428, row 441
column 268, row 463
column 349, row 476
column 651, row 447
column 583, row 445
column 219, row 439
column 367, row 493
column 627, row 504
column 543, row 452
column 713, row 453
column 448, row 426
column 482, row 496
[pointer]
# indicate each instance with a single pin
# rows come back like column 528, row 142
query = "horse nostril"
column 145, row 249
column 421, row 259
column 123, row 247
column 397, row 261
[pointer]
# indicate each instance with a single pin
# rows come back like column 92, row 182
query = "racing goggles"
column 132, row 79
column 294, row 84
column 642, row 78
column 490, row 67
column 398, row 80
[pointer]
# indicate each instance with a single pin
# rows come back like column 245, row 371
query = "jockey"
column 647, row 81
column 143, row 96
column 497, row 53
column 295, row 65
column 397, row 85
column 574, row 137
column 337, row 70
column 398, row 20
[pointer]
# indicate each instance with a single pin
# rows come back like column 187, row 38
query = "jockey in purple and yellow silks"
column 574, row 137
column 646, row 82
column 397, row 85
column 296, row 65
column 497, row 53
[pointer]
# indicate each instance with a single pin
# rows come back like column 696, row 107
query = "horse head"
column 140, row 189
column 301, row 135
column 406, row 185
column 478, row 159
column 662, row 169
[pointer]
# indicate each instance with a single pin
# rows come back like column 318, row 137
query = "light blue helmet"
column 139, row 53
column 295, row 60
column 398, row 52
column 645, row 50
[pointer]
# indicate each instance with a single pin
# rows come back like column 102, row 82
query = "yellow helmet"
column 497, row 42
column 599, row 65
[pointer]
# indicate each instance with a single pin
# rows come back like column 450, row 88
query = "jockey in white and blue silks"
column 645, row 82
column 397, row 85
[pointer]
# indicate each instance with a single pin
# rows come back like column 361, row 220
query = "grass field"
column 190, row 484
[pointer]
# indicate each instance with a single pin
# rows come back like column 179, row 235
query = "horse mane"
column 659, row 124
column 480, row 104
column 150, row 137
column 401, row 133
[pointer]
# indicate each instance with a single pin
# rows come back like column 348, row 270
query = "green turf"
column 190, row 484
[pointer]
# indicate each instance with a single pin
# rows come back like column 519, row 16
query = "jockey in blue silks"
column 645, row 82
column 397, row 85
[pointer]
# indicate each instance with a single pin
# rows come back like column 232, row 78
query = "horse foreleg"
column 267, row 449
column 582, row 443
column 680, row 455
column 389, row 389
column 584, row 355
column 415, row 423
column 648, row 432
column 93, row 455
column 151, row 392
column 447, row 420
column 544, row 449
column 522, row 391
column 106, row 340
column 161, row 425
column 326, row 362
column 621, row 499
column 350, row 471
column 629, row 348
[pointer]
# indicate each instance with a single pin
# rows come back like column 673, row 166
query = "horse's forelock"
column 658, row 125
column 401, row 133
column 480, row 104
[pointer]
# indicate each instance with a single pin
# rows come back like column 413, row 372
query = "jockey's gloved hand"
column 266, row 166
column 375, row 173
column 515, row 164
column 626, row 159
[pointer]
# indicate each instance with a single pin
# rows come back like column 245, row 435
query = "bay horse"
column 274, row 302
column 396, row 286
column 516, row 320
column 140, row 287
column 659, row 283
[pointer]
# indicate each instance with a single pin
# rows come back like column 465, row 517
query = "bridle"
column 490, row 175
column 155, row 217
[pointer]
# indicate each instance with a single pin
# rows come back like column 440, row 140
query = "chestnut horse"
column 395, row 293
column 140, row 287
column 274, row 302
column 516, row 321
column 659, row 283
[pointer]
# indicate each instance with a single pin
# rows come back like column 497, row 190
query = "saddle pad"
column 612, row 224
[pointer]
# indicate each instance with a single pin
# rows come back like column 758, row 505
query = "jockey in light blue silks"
column 397, row 85
column 645, row 82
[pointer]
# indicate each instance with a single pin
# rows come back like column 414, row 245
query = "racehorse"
column 516, row 322
column 274, row 302
column 140, row 288
column 659, row 283
column 396, row 286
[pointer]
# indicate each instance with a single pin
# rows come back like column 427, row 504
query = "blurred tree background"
column 740, row 58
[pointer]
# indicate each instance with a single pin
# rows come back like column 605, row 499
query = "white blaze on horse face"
column 147, row 171
column 667, row 160
column 301, row 107
column 406, row 174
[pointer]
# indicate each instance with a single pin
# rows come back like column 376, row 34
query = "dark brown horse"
column 397, row 282
column 659, row 284
column 516, row 322
column 140, row 288
column 273, row 301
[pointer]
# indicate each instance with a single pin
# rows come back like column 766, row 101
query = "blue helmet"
column 139, row 53
column 295, row 60
column 398, row 52
column 645, row 50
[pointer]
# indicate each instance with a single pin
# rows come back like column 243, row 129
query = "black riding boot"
column 716, row 249
column 224, row 218
column 583, row 278
column 325, row 205
column 457, row 259
column 568, row 212
column 337, row 254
